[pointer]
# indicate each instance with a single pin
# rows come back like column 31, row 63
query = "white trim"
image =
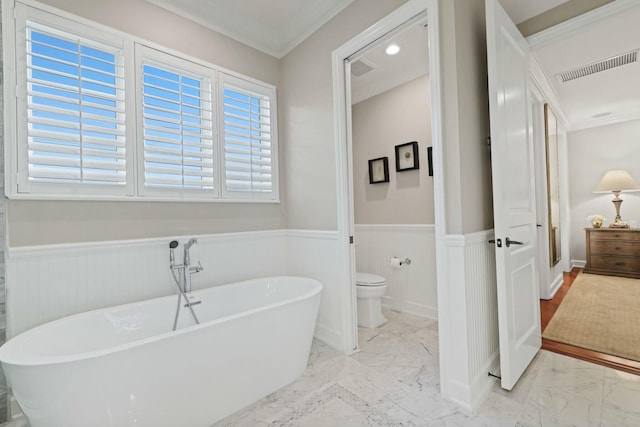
column 578, row 23
column 548, row 94
column 327, row 335
column 414, row 308
column 578, row 263
column 401, row 15
column 313, row 234
column 555, row 285
column 479, row 387
column 39, row 250
column 463, row 240
column 9, row 81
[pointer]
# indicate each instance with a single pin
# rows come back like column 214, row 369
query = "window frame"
column 146, row 55
column 264, row 90
column 53, row 23
column 14, row 18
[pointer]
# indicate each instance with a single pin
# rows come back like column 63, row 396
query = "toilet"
column 369, row 289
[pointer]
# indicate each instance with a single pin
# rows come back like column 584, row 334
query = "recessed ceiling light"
column 392, row 49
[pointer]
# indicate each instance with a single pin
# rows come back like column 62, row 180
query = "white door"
column 513, row 194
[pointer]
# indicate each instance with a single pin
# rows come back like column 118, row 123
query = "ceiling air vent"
column 359, row 68
column 607, row 64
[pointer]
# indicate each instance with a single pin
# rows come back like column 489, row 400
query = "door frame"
column 344, row 179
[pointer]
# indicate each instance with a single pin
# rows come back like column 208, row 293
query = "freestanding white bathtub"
column 124, row 366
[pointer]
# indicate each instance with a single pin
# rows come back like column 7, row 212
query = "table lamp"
column 617, row 181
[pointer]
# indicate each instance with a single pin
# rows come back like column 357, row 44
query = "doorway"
column 406, row 15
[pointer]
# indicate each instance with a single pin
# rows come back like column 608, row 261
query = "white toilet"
column 369, row 289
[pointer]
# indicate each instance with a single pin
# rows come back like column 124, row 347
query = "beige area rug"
column 600, row 313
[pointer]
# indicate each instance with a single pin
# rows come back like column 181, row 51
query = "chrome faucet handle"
column 197, row 269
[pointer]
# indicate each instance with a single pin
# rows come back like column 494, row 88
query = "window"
column 100, row 114
column 176, row 113
column 74, row 132
column 249, row 145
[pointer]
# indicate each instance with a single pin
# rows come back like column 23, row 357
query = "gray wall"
column 306, row 103
column 50, row 222
column 397, row 116
column 592, row 152
column 468, row 192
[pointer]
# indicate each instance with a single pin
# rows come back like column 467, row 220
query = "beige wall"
column 49, row 222
column 306, row 108
column 400, row 115
column 465, row 114
column 307, row 142
column 592, row 152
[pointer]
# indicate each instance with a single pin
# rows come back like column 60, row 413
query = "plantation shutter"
column 177, row 121
column 249, row 136
column 75, row 123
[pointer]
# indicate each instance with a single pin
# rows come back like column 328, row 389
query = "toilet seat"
column 368, row 279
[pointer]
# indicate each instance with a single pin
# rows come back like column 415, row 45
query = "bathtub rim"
column 315, row 289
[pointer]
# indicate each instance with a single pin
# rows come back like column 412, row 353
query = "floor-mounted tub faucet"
column 183, row 276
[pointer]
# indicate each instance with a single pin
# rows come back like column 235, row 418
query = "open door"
column 513, row 194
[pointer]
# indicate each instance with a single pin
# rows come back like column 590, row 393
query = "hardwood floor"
column 548, row 309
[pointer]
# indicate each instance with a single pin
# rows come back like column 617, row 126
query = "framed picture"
column 430, row 157
column 407, row 156
column 379, row 170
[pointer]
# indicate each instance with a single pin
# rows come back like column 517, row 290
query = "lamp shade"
column 616, row 180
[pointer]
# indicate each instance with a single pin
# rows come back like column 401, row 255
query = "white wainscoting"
column 410, row 288
column 315, row 254
column 472, row 318
column 48, row 282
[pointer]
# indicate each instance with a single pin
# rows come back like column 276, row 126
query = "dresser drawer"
column 616, row 263
column 612, row 247
column 633, row 236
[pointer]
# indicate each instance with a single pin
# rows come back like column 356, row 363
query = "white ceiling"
column 612, row 95
column 274, row 27
column 277, row 26
column 390, row 71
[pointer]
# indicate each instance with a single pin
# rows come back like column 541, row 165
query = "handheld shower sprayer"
column 172, row 256
column 187, row 246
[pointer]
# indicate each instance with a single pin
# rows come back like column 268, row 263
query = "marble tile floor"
column 394, row 381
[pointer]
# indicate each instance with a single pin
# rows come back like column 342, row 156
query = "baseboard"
column 458, row 392
column 556, row 284
column 329, row 336
column 578, row 263
column 483, row 382
column 414, row 308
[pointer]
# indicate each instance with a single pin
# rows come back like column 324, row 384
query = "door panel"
column 513, row 194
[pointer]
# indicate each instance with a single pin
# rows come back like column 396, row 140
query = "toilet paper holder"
column 401, row 261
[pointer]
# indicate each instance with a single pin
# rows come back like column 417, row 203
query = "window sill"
column 103, row 198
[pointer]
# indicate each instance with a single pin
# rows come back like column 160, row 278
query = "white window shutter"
column 249, row 139
column 176, row 119
column 75, row 127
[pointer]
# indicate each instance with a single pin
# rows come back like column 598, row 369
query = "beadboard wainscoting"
column 472, row 318
column 411, row 288
column 315, row 254
column 49, row 282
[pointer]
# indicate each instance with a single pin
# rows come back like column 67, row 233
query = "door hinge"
column 351, row 240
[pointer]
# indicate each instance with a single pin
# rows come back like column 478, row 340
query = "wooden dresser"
column 613, row 251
